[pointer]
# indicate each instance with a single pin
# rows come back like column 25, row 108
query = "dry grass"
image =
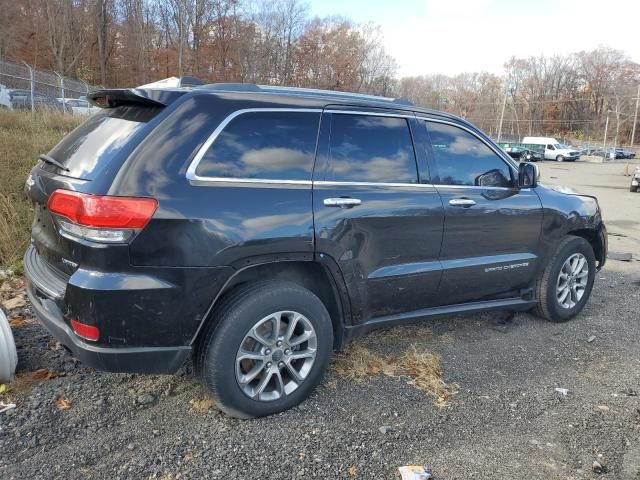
column 22, row 138
column 423, row 370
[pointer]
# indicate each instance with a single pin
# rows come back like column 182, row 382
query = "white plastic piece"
column 8, row 354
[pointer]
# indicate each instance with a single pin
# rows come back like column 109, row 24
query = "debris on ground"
column 415, row 472
column 202, row 405
column 563, row 391
column 62, row 403
column 13, row 303
column 622, row 257
column 591, row 339
column 5, row 407
column 598, row 468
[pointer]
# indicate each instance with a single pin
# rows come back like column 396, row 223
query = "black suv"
column 258, row 229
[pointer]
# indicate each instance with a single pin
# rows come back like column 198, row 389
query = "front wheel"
column 565, row 284
column 269, row 349
column 560, row 158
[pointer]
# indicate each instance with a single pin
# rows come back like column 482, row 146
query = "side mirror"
column 528, row 175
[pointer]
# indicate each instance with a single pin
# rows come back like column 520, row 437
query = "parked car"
column 553, row 150
column 16, row 99
column 79, row 106
column 523, row 154
column 635, row 180
column 609, row 153
column 258, row 229
column 625, row 153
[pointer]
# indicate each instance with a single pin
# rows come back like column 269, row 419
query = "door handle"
column 461, row 202
column 342, row 202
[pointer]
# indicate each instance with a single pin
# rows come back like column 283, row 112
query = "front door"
column 372, row 214
column 492, row 228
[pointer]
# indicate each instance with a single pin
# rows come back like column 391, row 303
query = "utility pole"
column 504, row 104
column 604, row 143
column 635, row 118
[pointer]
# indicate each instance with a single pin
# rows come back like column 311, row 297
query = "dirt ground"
column 505, row 421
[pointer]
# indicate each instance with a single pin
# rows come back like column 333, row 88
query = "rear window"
column 264, row 145
column 90, row 148
column 366, row 148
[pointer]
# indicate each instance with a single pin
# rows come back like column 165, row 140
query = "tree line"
column 119, row 43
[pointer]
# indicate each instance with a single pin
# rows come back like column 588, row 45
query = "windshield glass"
column 557, row 146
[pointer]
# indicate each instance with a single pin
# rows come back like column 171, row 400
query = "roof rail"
column 231, row 87
column 333, row 93
column 251, row 87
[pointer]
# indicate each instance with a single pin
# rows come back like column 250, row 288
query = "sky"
column 454, row 36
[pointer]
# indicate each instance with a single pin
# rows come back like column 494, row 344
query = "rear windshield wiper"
column 47, row 159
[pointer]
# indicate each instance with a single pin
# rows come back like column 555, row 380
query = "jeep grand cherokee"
column 258, row 229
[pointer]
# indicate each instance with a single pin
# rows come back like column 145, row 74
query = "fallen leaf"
column 202, row 405
column 17, row 322
column 63, row 404
column 44, row 374
column 3, row 388
column 13, row 303
column 353, row 470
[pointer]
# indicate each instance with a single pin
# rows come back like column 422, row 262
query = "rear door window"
column 372, row 149
column 264, row 145
column 88, row 149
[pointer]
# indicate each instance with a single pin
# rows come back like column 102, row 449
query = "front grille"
column 47, row 279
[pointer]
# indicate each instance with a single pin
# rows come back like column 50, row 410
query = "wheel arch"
column 316, row 276
column 597, row 242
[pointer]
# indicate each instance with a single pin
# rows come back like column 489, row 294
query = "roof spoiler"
column 160, row 93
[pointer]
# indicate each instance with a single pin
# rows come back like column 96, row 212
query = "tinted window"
column 91, row 147
column 371, row 149
column 463, row 159
column 269, row 145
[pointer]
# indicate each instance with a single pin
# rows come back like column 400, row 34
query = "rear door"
column 492, row 228
column 374, row 215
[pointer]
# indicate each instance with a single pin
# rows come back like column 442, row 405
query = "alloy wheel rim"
column 572, row 280
column 276, row 356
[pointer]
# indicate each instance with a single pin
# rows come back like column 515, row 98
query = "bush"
column 23, row 137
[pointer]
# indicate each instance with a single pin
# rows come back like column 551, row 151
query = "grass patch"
column 23, row 137
column 423, row 370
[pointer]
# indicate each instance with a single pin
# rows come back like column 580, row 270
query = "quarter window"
column 369, row 148
column 264, row 145
column 463, row 159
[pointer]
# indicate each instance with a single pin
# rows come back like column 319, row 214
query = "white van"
column 553, row 150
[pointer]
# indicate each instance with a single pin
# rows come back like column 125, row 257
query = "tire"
column 8, row 354
column 633, row 189
column 548, row 284
column 258, row 307
column 559, row 158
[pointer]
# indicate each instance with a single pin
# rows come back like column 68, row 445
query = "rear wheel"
column 566, row 282
column 268, row 351
column 560, row 158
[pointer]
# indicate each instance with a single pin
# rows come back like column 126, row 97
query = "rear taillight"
column 100, row 218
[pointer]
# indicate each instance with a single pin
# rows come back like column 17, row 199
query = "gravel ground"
column 505, row 421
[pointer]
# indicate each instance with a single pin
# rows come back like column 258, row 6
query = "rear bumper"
column 121, row 359
column 46, row 291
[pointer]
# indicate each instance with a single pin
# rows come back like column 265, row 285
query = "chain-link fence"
column 24, row 87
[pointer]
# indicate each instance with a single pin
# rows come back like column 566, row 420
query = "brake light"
column 88, row 332
column 101, row 218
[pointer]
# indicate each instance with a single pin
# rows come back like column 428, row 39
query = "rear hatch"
column 86, row 160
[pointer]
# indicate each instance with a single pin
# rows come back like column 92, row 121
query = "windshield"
column 90, row 148
column 557, row 146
